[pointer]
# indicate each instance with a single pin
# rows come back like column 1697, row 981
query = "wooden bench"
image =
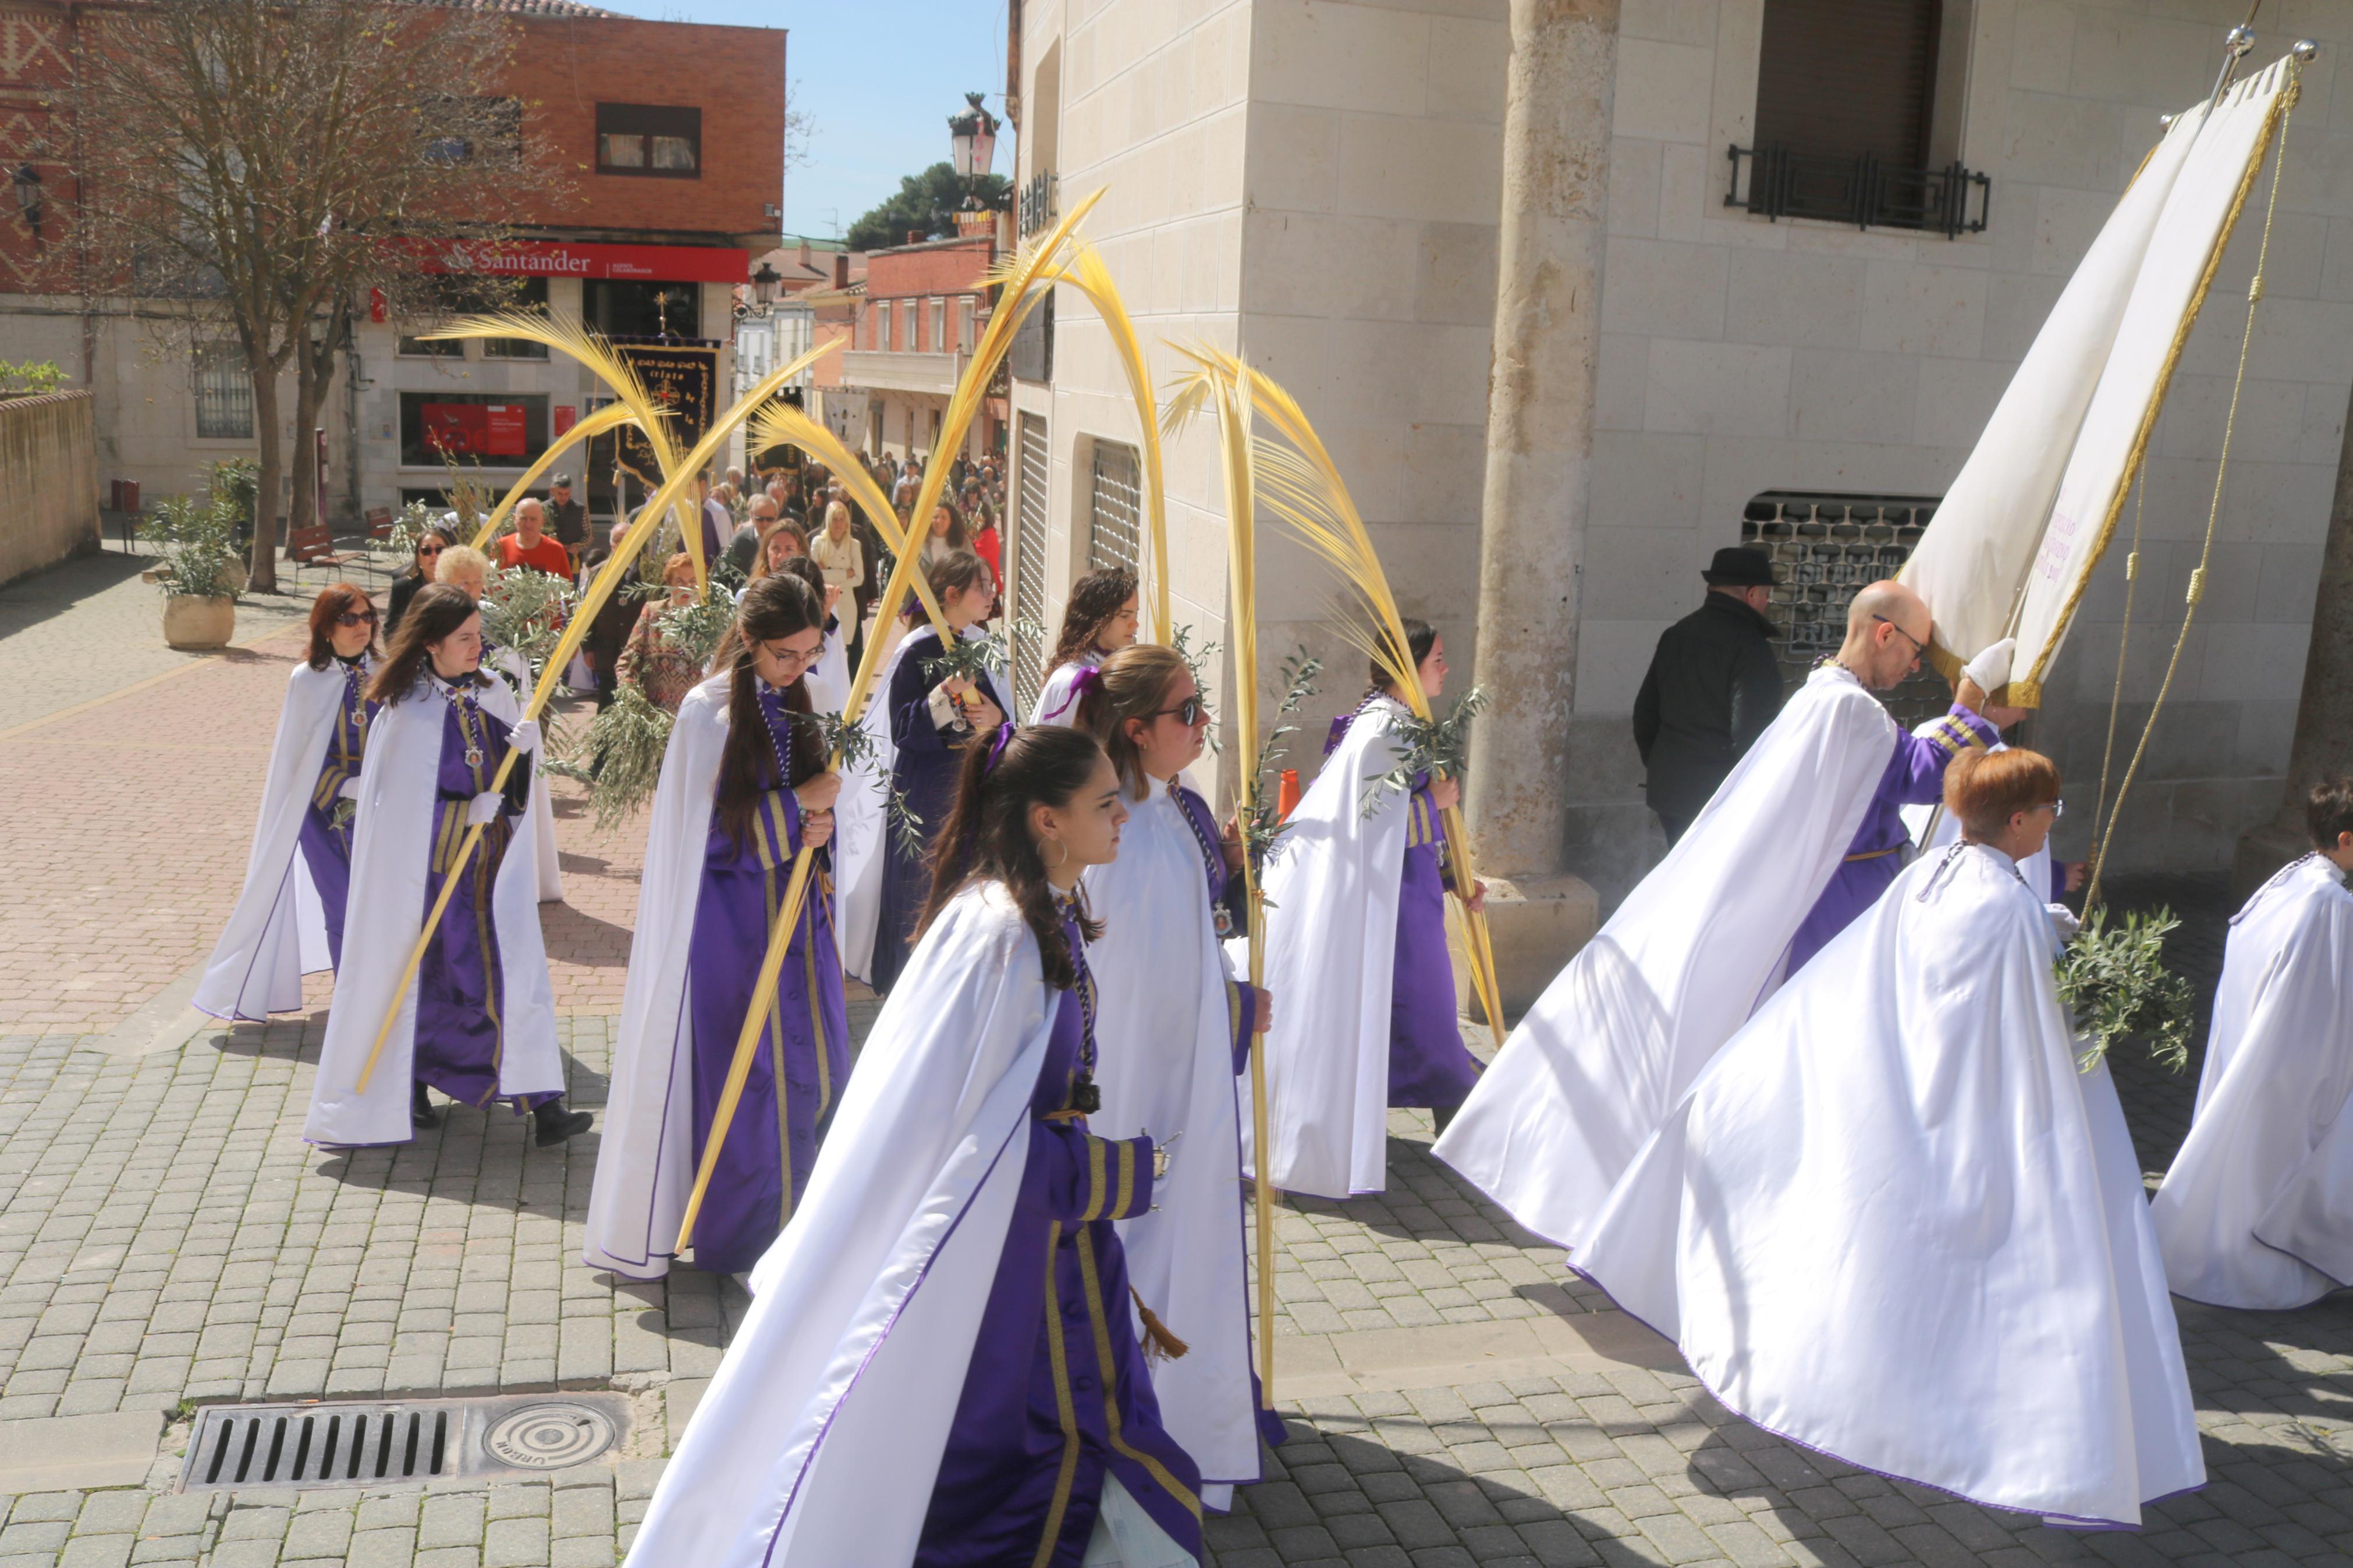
column 314, row 545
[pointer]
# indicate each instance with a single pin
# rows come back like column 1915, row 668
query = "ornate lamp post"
column 973, row 134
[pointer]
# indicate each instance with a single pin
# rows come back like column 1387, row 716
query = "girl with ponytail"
column 952, row 1302
column 1355, row 938
column 1173, row 1029
column 1099, row 621
column 743, row 788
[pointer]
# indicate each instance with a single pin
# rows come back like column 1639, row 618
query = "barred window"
column 1030, row 632
column 224, row 394
column 1116, row 513
column 1824, row 547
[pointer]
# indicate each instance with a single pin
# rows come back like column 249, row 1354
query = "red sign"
column 474, row 430
column 549, row 258
column 566, row 415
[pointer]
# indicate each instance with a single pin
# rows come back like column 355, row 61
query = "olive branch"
column 1264, row 824
column 1440, row 745
column 2114, row 982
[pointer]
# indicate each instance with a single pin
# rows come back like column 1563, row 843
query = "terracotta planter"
column 192, row 622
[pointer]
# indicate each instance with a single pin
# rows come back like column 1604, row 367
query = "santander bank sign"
column 548, row 258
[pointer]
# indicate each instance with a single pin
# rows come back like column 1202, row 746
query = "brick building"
column 912, row 328
column 669, row 200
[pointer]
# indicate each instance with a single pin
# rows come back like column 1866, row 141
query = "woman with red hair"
column 288, row 921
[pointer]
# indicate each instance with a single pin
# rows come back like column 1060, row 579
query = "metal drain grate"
column 260, row 1446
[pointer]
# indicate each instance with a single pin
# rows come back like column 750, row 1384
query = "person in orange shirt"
column 529, row 545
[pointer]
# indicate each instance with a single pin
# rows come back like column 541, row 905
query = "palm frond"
column 781, row 425
column 596, row 423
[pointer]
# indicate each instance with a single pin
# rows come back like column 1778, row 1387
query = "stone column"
column 1539, row 447
column 2324, row 715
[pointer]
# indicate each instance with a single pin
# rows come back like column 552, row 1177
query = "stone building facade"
column 1317, row 184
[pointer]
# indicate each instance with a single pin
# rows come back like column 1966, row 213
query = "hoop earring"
column 1064, row 856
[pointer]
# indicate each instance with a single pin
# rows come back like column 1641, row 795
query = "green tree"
column 926, row 205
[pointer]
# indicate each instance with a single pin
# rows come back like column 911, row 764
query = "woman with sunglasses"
column 1099, row 620
column 744, row 789
column 1173, row 1028
column 1356, row 941
column 288, row 921
column 476, row 1017
column 423, row 567
column 941, row 1367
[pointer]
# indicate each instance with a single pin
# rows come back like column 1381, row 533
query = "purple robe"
column 460, row 1031
column 1915, row 776
column 1429, row 1064
column 925, row 774
column 1058, row 1394
column 326, row 835
column 796, row 1075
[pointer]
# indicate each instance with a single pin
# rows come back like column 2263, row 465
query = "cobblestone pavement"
column 166, row 1241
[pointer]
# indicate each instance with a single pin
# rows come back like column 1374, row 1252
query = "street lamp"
column 28, row 184
column 974, row 132
column 765, row 283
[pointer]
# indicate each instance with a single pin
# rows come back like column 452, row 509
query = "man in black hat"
column 1712, row 686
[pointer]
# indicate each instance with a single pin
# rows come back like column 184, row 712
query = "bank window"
column 224, row 394
column 530, row 295
column 649, row 139
column 632, row 308
column 497, row 430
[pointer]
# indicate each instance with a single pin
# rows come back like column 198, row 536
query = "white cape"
column 1057, row 703
column 1616, row 1039
column 862, row 817
column 823, row 1430
column 278, row 932
column 391, row 841
column 1892, row 1222
column 1164, row 1036
column 2258, row 1208
column 508, row 663
column 645, row 1157
column 1330, row 895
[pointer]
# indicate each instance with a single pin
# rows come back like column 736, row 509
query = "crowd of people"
column 1808, row 1103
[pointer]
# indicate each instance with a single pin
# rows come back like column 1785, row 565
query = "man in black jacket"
column 1712, row 686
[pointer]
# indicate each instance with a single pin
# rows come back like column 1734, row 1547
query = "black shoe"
column 555, row 1124
column 421, row 1108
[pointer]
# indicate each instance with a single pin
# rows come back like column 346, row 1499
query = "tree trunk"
column 302, row 487
column 263, row 568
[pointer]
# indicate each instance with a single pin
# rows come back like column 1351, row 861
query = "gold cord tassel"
column 1159, row 1344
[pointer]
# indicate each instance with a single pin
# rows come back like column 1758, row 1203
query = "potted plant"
column 196, row 546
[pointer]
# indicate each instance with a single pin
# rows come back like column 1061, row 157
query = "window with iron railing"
column 1115, row 511
column 1030, row 632
column 1040, row 203
column 1824, row 546
column 223, row 389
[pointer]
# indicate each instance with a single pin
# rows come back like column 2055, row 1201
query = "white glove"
column 351, row 790
column 484, row 810
column 1990, row 668
column 524, row 737
column 2064, row 921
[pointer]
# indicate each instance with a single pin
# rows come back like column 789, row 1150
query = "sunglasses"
column 428, row 549
column 1190, row 712
column 350, row 618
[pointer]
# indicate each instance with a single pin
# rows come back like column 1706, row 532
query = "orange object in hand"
column 1286, row 794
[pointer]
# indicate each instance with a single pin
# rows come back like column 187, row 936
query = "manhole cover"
column 549, row 1437
column 377, row 1443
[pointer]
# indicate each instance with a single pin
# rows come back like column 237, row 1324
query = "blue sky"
column 880, row 76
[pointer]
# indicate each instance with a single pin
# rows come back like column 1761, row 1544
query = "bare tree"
column 264, row 162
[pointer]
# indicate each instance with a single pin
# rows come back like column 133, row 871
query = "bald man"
column 1887, row 627
column 1704, row 939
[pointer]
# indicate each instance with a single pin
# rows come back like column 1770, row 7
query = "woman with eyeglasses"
column 423, row 567
column 476, row 1018
column 1356, row 942
column 923, row 720
column 1173, row 1029
column 942, row 1365
column 744, row 787
column 288, row 921
column 1098, row 620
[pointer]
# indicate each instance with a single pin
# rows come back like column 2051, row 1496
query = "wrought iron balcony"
column 1040, row 203
column 1861, row 191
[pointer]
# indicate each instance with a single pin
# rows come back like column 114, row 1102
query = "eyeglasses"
column 1918, row 647
column 793, row 658
column 423, row 550
column 2058, row 808
column 1190, row 712
column 350, row 618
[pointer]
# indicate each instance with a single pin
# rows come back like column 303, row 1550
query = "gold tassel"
column 1159, row 1344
